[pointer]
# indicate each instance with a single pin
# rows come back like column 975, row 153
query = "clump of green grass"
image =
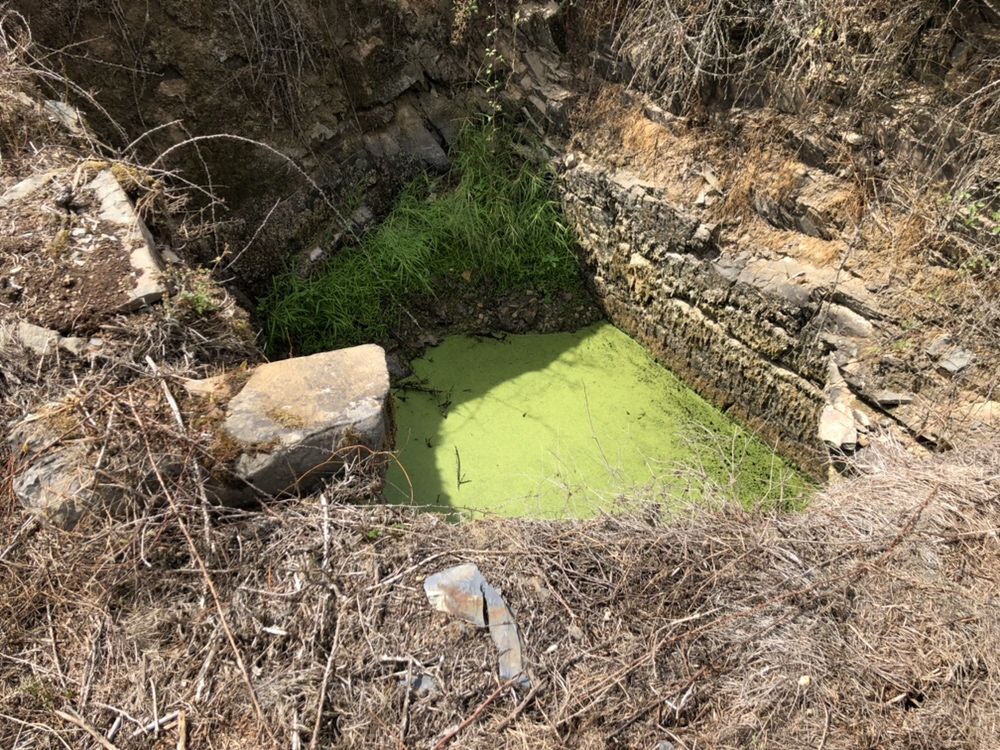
column 491, row 221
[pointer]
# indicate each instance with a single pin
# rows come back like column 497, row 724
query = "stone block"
column 36, row 339
column 890, row 398
column 56, row 486
column 26, row 188
column 56, row 480
column 296, row 422
column 837, row 428
column 117, row 210
column 951, row 358
column 845, row 322
column 955, row 361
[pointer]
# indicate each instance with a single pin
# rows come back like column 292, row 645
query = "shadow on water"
column 547, row 425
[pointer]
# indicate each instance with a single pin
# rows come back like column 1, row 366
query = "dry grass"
column 897, row 106
column 792, row 52
column 614, row 125
column 21, row 118
column 929, row 70
column 867, row 621
column 282, row 42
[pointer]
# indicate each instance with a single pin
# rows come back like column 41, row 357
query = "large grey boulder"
column 298, row 421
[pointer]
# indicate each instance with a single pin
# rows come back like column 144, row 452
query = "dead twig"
column 193, row 549
column 97, row 736
column 449, row 736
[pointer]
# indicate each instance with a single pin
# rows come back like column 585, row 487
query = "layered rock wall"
column 747, row 248
column 661, row 279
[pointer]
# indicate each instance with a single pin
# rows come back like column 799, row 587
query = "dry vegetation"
column 918, row 80
column 282, row 41
column 885, row 115
column 20, row 116
column 855, row 624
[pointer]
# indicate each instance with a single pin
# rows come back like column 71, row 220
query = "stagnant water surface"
column 561, row 425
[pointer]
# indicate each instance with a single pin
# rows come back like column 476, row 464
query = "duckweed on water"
column 557, row 425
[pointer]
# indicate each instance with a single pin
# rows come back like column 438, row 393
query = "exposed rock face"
column 741, row 268
column 362, row 95
column 298, row 421
column 802, row 352
column 739, row 329
column 56, row 480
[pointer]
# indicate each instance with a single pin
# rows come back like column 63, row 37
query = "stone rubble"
column 44, row 341
column 57, row 481
column 297, row 422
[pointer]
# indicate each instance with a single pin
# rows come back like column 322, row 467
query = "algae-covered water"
column 561, row 425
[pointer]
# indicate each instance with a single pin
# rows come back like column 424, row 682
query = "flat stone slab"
column 117, row 209
column 26, row 188
column 951, row 358
column 57, row 487
column 892, row 398
column 955, row 361
column 298, row 421
column 845, row 322
column 39, row 340
column 463, row 592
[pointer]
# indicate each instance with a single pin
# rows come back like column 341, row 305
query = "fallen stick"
column 520, row 706
column 115, row 728
column 318, row 722
column 158, row 724
column 474, row 715
column 199, row 479
column 182, row 731
column 216, row 599
column 77, row 721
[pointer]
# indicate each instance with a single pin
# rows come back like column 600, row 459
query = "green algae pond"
column 565, row 425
